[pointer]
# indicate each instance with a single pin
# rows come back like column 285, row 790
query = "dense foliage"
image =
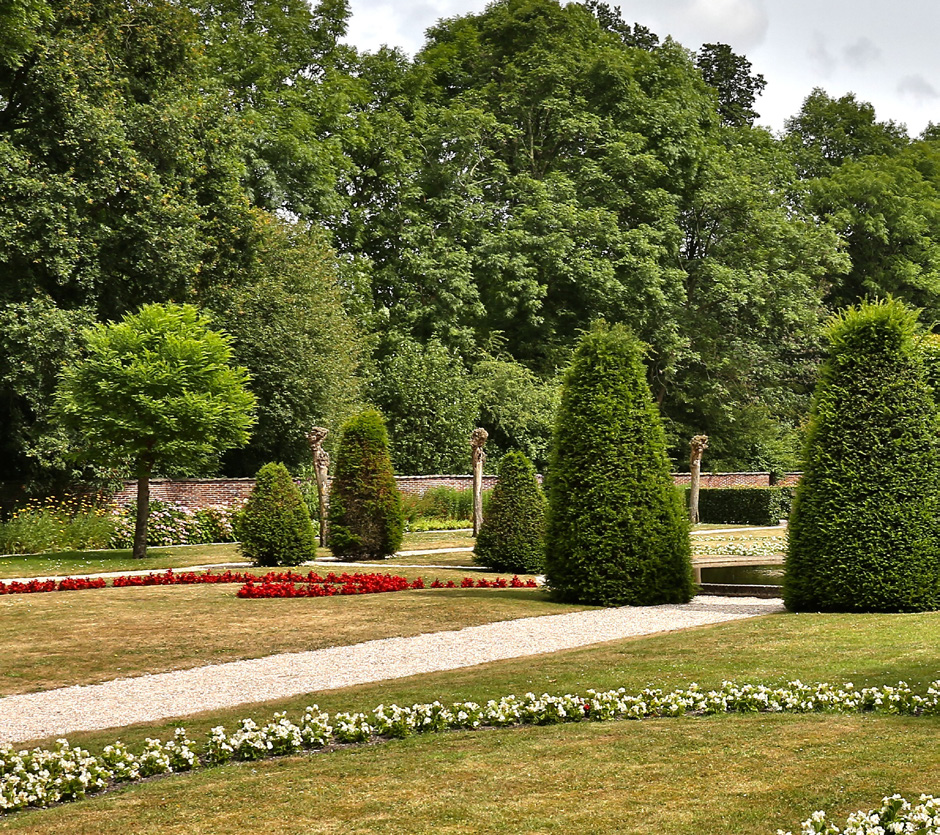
column 274, row 527
column 512, row 537
column 155, row 391
column 865, row 526
column 745, row 505
column 617, row 532
column 425, row 395
column 440, row 227
column 365, row 518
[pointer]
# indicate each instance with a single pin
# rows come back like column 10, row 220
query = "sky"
column 884, row 52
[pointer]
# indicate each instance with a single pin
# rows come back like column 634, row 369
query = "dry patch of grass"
column 82, row 637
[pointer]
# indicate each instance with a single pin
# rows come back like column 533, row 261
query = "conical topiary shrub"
column 513, row 531
column 274, row 528
column 365, row 517
column 616, row 531
column 864, row 531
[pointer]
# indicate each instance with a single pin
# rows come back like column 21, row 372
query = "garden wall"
column 197, row 493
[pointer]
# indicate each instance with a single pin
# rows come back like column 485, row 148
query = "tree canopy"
column 156, row 392
column 534, row 167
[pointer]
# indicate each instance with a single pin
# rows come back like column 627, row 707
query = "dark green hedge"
column 274, row 527
column 617, row 532
column 744, row 505
column 513, row 532
column 366, row 519
column 864, row 533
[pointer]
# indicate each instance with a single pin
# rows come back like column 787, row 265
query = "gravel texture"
column 167, row 695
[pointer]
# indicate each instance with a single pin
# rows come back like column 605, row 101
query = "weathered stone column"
column 477, row 442
column 321, row 464
column 699, row 445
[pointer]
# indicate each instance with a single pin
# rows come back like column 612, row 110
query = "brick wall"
column 198, row 492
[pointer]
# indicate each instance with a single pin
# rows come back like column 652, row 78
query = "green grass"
column 71, row 563
column 733, row 774
column 68, row 563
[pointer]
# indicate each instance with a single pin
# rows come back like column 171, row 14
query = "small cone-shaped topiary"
column 274, row 528
column 617, row 532
column 513, row 531
column 366, row 517
column 864, row 532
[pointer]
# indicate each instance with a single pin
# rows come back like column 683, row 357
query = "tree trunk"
column 477, row 441
column 699, row 444
column 323, row 492
column 143, row 512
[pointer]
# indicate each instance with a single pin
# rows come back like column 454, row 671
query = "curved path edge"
column 180, row 693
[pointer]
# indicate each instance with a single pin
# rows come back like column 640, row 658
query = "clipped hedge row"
column 744, row 505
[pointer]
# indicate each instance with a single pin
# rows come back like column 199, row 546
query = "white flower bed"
column 41, row 777
column 896, row 815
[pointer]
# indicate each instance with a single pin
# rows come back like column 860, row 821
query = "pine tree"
column 513, row 532
column 366, row 519
column 274, row 528
column 617, row 532
column 864, row 532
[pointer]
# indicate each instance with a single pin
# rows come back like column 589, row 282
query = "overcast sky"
column 884, row 52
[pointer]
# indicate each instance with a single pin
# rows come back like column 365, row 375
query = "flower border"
column 41, row 777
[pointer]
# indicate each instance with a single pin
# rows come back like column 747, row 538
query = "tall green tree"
column 886, row 209
column 156, row 392
column 828, row 131
column 864, row 533
column 288, row 82
column 731, row 77
column 617, row 533
column 286, row 316
column 36, row 340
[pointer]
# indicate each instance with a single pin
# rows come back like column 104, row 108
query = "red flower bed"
column 368, row 584
column 68, row 584
column 272, row 584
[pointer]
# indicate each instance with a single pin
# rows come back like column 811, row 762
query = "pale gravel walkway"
column 168, row 695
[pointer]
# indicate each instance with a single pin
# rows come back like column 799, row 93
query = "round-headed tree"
column 616, row 530
column 864, row 532
column 365, row 516
column 156, row 392
column 513, row 531
column 274, row 528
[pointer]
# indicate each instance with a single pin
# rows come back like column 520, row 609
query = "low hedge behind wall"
column 744, row 505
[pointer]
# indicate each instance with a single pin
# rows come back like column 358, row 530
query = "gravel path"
column 167, row 695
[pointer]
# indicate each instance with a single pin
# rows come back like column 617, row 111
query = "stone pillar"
column 699, row 445
column 477, row 442
column 321, row 464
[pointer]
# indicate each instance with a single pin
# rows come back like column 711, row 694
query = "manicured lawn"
column 71, row 563
column 80, row 637
column 91, row 562
column 733, row 774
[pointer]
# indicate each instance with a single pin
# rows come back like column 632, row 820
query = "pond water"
column 745, row 575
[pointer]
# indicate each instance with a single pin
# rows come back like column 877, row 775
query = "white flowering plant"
column 41, row 777
column 897, row 816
